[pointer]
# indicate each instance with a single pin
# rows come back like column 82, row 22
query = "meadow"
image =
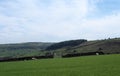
column 104, row 65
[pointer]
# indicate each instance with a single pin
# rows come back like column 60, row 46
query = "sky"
column 58, row 20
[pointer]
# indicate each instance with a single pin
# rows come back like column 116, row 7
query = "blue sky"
column 58, row 20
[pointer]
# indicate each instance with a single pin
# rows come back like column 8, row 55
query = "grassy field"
column 104, row 65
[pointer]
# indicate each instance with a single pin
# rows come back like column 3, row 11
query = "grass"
column 104, row 65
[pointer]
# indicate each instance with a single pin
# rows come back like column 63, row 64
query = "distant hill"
column 70, row 43
column 29, row 45
column 22, row 49
column 107, row 46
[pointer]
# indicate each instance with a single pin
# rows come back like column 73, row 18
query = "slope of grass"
column 109, row 46
column 22, row 49
column 106, row 65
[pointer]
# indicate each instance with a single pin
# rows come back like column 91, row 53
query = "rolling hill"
column 107, row 46
column 22, row 49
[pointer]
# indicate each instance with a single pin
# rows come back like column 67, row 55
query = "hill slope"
column 108, row 46
column 70, row 43
column 111, row 46
column 22, row 49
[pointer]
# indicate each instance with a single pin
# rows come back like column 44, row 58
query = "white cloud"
column 104, row 27
column 34, row 20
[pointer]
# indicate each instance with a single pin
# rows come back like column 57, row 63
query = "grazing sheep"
column 97, row 53
column 34, row 58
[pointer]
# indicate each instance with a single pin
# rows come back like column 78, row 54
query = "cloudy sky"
column 58, row 20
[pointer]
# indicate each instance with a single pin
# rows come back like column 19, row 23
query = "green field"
column 104, row 65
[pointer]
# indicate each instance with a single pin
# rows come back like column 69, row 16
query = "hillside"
column 107, row 46
column 70, row 43
column 22, row 49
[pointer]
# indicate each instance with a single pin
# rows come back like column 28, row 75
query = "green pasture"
column 104, row 65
